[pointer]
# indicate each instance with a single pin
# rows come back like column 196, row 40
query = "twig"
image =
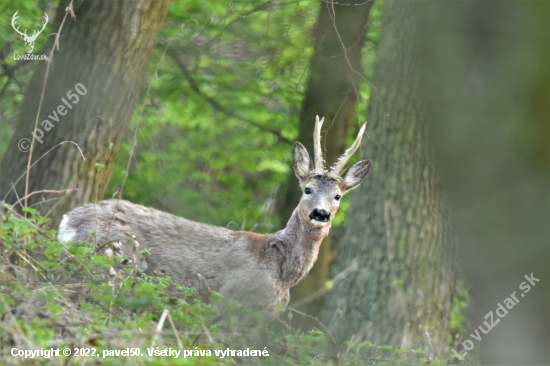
column 284, row 323
column 256, row 9
column 287, row 361
column 339, row 277
column 40, row 231
column 45, row 191
column 10, row 208
column 345, row 49
column 334, row 120
column 10, row 313
column 68, row 9
column 234, row 11
column 33, row 267
column 40, row 158
column 180, row 344
column 333, row 16
column 320, row 323
column 53, row 207
column 217, row 106
column 159, row 327
column 44, row 201
column 207, row 333
column 16, row 195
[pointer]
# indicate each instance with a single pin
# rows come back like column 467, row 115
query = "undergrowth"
column 55, row 296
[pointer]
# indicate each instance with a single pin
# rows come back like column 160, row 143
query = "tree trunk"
column 402, row 290
column 332, row 92
column 107, row 50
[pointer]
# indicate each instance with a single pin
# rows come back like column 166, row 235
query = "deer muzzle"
column 319, row 217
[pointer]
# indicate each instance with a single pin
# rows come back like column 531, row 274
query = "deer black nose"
column 319, row 215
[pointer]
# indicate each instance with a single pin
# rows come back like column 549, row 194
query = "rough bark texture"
column 331, row 93
column 107, row 48
column 396, row 231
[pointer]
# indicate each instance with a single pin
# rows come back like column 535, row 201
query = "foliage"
column 214, row 132
column 460, row 324
column 459, row 319
column 65, row 296
column 216, row 127
column 15, row 75
column 219, row 113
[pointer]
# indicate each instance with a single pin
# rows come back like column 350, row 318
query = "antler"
column 337, row 167
column 317, row 152
column 15, row 16
column 34, row 34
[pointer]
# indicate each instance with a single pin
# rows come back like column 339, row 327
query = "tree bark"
column 332, row 92
column 396, row 233
column 107, row 49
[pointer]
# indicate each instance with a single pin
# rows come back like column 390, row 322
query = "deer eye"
column 308, row 190
column 337, row 197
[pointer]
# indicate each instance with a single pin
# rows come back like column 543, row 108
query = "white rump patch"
column 66, row 233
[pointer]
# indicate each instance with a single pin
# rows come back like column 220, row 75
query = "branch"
column 45, row 191
column 339, row 277
column 217, row 106
column 68, row 10
column 256, row 9
column 320, row 323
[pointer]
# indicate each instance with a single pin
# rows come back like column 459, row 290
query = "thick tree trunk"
column 107, row 50
column 332, row 92
column 402, row 291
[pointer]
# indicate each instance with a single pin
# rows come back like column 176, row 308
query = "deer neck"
column 295, row 249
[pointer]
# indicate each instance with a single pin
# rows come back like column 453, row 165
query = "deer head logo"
column 29, row 40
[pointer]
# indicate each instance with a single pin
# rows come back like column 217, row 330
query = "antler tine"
column 317, row 152
column 13, row 19
column 341, row 162
column 44, row 23
column 35, row 32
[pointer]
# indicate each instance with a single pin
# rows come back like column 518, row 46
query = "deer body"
column 249, row 267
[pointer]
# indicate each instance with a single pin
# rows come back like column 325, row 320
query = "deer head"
column 321, row 189
column 29, row 40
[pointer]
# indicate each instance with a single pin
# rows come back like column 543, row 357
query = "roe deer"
column 248, row 267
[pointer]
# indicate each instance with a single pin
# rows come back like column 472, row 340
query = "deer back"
column 206, row 257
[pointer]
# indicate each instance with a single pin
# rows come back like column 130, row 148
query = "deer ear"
column 302, row 162
column 354, row 175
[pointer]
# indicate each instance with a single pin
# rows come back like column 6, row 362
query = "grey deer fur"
column 251, row 268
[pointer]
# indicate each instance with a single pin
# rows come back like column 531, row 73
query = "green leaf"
column 31, row 210
column 398, row 282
